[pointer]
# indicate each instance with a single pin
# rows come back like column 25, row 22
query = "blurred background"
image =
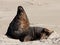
column 45, row 13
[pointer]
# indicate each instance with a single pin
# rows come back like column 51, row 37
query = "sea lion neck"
column 22, row 17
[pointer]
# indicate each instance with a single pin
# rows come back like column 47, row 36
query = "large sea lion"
column 18, row 25
column 19, row 28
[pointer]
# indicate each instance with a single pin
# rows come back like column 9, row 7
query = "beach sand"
column 43, row 13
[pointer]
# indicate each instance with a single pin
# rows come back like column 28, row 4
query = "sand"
column 43, row 13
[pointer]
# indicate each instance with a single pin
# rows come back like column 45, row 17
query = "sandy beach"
column 43, row 13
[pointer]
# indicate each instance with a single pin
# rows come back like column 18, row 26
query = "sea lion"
column 20, row 28
column 18, row 25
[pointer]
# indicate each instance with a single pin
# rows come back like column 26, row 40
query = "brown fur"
column 19, row 28
column 19, row 24
column 37, row 33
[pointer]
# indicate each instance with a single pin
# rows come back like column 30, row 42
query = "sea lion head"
column 20, row 9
